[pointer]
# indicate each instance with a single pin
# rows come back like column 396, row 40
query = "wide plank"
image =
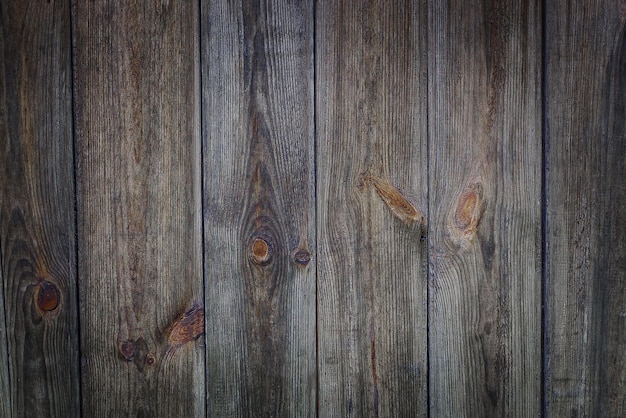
column 586, row 217
column 139, row 208
column 37, row 223
column 257, row 81
column 371, row 115
column 485, row 208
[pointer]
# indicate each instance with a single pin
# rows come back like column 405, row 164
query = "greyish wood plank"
column 485, row 194
column 5, row 390
column 586, row 217
column 372, row 192
column 139, row 209
column 37, row 226
column 257, row 77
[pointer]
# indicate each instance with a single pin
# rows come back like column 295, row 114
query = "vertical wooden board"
column 485, row 194
column 259, row 216
column 371, row 63
column 37, row 225
column 5, row 391
column 139, row 225
column 586, row 222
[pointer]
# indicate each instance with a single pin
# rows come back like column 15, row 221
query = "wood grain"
column 257, row 80
column 586, row 222
column 371, row 63
column 485, row 188
column 139, row 209
column 37, row 224
column 5, row 390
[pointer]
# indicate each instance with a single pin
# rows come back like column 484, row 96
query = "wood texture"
column 485, row 188
column 586, row 222
column 372, row 190
column 5, row 390
column 37, row 226
column 259, row 207
column 139, row 226
column 364, row 183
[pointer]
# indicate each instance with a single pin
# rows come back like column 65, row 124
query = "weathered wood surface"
column 5, row 394
column 485, row 211
column 139, row 208
column 586, row 217
column 372, row 194
column 37, row 226
column 257, row 72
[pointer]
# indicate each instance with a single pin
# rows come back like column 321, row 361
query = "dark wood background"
column 312, row 208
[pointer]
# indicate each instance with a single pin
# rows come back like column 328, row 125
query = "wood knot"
column 302, row 257
column 187, row 327
column 149, row 360
column 469, row 209
column 47, row 296
column 396, row 202
column 127, row 349
column 261, row 251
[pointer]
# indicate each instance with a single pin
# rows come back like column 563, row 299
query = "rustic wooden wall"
column 312, row 208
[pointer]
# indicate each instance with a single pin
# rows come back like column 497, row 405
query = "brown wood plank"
column 259, row 207
column 37, row 226
column 586, row 218
column 485, row 194
column 139, row 208
column 372, row 190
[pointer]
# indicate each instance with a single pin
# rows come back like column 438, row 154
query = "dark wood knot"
column 302, row 257
column 47, row 296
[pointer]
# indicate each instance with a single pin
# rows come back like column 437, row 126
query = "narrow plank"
column 5, row 390
column 485, row 194
column 257, row 96
column 260, row 216
column 139, row 225
column 586, row 221
column 372, row 190
column 37, row 224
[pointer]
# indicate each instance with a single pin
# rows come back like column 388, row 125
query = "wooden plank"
column 485, row 193
column 139, row 225
column 586, row 222
column 5, row 390
column 372, row 190
column 260, row 217
column 37, row 224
